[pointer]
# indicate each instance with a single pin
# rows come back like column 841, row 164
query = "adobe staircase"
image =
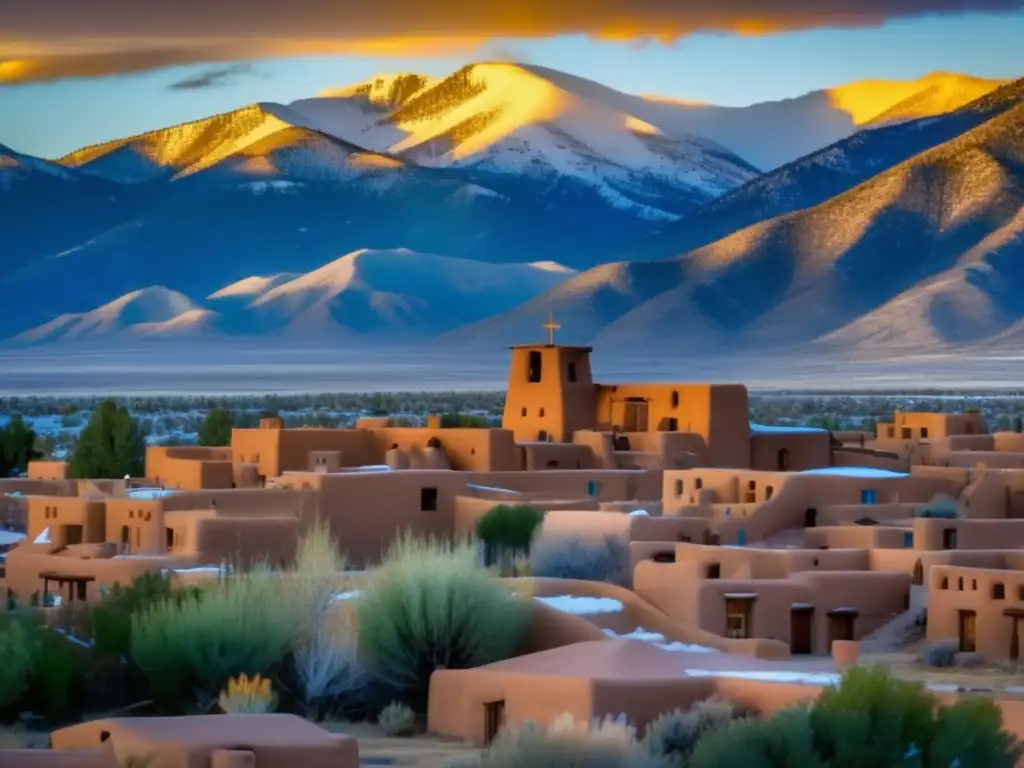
column 903, row 628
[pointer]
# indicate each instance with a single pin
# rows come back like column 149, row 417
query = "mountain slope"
column 509, row 119
column 797, row 277
column 367, row 293
column 822, row 175
column 182, row 149
column 151, row 311
column 398, row 292
column 46, row 209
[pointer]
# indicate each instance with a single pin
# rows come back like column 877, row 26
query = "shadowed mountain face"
column 500, row 167
column 397, row 293
column 939, row 232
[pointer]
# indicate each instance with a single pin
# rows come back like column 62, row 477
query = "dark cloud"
column 211, row 77
column 49, row 39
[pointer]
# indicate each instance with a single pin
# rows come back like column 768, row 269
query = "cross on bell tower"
column 551, row 326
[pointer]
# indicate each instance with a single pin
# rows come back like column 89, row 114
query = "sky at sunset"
column 53, row 114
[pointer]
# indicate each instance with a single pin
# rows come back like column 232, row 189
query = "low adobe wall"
column 636, row 612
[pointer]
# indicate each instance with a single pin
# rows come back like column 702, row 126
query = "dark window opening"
column 73, row 534
column 535, row 371
column 664, row 557
column 169, row 536
column 552, row 464
column 675, row 399
column 572, row 371
column 907, row 433
column 768, row 491
column 679, row 488
column 698, row 484
column 541, row 413
column 672, row 425
column 713, row 571
column 924, row 432
column 428, row 499
column 523, row 412
column 783, row 460
column 998, row 592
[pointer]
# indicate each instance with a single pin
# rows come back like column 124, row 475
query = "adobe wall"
column 469, row 510
column 798, row 450
column 875, row 596
column 47, row 470
column 638, row 612
column 190, row 467
column 25, row 563
column 542, row 456
column 858, row 537
column 955, row 589
column 849, row 514
column 246, row 541
column 261, row 447
column 970, row 534
column 34, row 487
column 59, row 512
column 469, row 449
column 1008, row 441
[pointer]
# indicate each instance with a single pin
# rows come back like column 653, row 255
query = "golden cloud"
column 51, row 39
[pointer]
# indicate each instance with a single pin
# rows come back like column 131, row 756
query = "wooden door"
column 967, row 634
column 800, row 630
column 840, row 627
column 494, row 719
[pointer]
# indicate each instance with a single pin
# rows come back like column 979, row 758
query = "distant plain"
column 247, row 366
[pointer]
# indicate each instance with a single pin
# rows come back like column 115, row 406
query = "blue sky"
column 50, row 119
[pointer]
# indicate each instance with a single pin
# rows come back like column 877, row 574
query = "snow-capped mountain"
column 368, row 292
column 925, row 254
column 154, row 311
column 524, row 121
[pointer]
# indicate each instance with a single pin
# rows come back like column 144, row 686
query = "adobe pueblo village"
column 627, row 574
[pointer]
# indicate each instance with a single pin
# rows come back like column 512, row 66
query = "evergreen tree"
column 110, row 446
column 216, row 428
column 17, row 447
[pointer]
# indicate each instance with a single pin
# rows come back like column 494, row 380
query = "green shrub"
column 16, row 664
column 872, row 719
column 608, row 744
column 430, row 606
column 508, row 529
column 194, row 644
column 324, row 656
column 56, row 670
column 785, row 740
column 970, row 734
column 397, row 720
column 672, row 737
column 111, row 619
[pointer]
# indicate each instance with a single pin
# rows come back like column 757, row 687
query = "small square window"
column 428, row 499
column 998, row 592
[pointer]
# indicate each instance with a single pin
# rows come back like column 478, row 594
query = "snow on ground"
column 658, row 639
column 582, row 606
column 10, row 537
column 150, row 493
column 347, row 595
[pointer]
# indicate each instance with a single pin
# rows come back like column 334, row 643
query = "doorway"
column 635, row 416
column 737, row 617
column 949, row 538
column 918, row 573
column 966, row 625
column 811, row 517
column 73, row 534
column 494, row 719
column 801, row 623
column 840, row 626
column 1014, row 614
column 783, row 460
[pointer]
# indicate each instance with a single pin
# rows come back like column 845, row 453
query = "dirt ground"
column 374, row 747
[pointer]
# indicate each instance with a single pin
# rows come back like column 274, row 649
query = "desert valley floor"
column 251, row 367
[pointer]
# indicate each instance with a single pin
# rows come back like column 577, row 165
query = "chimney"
column 271, row 422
